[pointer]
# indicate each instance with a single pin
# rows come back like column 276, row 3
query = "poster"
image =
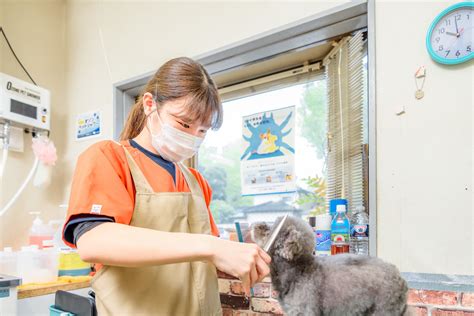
column 267, row 164
column 88, row 125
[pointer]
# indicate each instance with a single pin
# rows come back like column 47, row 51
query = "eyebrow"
column 186, row 121
column 181, row 117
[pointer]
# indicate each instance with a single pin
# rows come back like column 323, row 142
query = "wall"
column 36, row 30
column 424, row 157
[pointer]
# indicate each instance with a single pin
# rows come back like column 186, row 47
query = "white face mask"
column 174, row 145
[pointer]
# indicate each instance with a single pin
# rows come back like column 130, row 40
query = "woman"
column 144, row 216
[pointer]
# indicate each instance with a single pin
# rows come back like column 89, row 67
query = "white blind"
column 345, row 82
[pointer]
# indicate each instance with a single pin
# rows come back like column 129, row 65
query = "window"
column 330, row 148
column 219, row 159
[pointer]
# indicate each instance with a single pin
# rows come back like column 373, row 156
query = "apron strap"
column 141, row 183
column 193, row 184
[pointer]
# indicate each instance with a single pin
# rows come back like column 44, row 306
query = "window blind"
column 345, row 88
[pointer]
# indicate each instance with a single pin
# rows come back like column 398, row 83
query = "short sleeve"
column 207, row 192
column 102, row 184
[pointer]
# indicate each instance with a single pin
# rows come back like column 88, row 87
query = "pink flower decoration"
column 44, row 150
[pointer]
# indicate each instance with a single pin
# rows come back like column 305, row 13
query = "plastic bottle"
column 323, row 235
column 39, row 232
column 340, row 231
column 360, row 232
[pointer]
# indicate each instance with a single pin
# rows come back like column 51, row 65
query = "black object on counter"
column 77, row 304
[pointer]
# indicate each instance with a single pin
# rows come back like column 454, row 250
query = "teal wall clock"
column 449, row 38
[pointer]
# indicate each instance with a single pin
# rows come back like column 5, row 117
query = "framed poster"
column 267, row 164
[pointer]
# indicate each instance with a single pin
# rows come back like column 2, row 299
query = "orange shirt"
column 103, row 185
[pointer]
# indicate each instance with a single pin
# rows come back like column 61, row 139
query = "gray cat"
column 343, row 284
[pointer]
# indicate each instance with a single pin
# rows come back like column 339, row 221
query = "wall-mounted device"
column 23, row 104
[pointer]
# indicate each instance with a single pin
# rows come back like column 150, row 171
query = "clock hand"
column 450, row 33
column 456, row 23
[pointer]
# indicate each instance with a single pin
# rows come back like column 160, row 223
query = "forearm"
column 128, row 246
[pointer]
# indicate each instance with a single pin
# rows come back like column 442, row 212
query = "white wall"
column 425, row 211
column 36, row 30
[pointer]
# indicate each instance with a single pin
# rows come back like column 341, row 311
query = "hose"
column 22, row 187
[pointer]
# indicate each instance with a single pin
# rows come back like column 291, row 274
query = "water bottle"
column 360, row 232
column 340, row 231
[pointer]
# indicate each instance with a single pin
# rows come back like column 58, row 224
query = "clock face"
column 451, row 35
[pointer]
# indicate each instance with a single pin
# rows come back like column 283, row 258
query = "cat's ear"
column 260, row 233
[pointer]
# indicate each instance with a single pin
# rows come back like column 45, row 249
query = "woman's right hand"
column 245, row 261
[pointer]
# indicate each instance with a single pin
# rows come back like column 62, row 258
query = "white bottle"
column 360, row 232
column 323, row 235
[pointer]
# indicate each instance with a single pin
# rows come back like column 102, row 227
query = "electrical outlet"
column 16, row 142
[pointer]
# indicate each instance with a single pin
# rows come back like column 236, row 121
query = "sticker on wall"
column 267, row 164
column 88, row 125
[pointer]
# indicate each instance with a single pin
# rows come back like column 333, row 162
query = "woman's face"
column 173, row 113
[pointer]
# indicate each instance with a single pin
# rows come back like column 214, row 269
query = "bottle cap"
column 334, row 203
column 312, row 221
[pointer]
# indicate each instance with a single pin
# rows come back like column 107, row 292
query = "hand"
column 248, row 262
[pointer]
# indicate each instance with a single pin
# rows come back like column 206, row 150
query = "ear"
column 292, row 245
column 149, row 103
column 260, row 232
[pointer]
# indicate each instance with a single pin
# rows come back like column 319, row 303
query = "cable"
column 22, row 187
column 13, row 52
column 341, row 122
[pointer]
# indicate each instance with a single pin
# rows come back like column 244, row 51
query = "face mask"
column 173, row 144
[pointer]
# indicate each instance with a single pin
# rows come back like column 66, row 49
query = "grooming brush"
column 274, row 234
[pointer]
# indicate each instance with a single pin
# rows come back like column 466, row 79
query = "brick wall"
column 438, row 303
column 234, row 302
column 264, row 300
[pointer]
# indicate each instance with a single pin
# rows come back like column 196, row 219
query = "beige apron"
column 188, row 288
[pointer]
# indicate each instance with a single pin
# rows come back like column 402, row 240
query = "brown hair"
column 178, row 78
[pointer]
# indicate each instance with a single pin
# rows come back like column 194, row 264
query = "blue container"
column 54, row 311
